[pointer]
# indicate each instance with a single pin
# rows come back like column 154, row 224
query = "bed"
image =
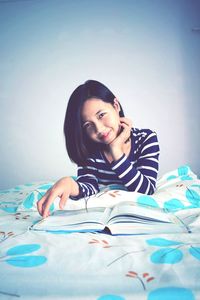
column 99, row 266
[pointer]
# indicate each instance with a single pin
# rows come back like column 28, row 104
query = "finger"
column 46, row 205
column 63, row 200
column 126, row 128
column 125, row 132
column 41, row 202
column 126, row 121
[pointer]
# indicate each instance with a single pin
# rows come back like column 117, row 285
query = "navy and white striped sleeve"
column 142, row 177
column 87, row 180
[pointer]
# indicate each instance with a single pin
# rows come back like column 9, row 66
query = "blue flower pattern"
column 170, row 252
column 17, row 256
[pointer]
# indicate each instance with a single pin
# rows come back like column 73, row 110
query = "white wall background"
column 144, row 51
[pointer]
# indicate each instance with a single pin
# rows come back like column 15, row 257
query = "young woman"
column 105, row 147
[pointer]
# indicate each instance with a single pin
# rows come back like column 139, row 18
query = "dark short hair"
column 79, row 146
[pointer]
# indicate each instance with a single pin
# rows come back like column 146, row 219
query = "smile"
column 104, row 136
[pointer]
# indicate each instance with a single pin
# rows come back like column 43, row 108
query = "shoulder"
column 145, row 139
column 143, row 134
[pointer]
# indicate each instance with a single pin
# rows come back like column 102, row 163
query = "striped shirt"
column 137, row 172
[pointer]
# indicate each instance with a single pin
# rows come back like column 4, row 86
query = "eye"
column 101, row 115
column 87, row 126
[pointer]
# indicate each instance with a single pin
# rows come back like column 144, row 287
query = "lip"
column 104, row 136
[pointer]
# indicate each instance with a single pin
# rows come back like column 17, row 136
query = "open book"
column 125, row 217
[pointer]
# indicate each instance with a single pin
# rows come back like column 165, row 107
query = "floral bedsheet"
column 98, row 266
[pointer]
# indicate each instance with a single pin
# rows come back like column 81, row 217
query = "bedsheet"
column 49, row 265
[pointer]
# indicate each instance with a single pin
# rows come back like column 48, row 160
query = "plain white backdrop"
column 147, row 52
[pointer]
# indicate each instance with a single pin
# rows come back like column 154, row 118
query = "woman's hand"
column 63, row 188
column 117, row 146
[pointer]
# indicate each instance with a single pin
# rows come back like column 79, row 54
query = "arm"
column 87, row 180
column 141, row 178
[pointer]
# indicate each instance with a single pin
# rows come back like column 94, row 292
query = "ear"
column 116, row 105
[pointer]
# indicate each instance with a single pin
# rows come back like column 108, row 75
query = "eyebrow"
column 99, row 111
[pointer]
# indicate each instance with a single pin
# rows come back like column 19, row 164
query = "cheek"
column 116, row 122
column 112, row 120
column 89, row 133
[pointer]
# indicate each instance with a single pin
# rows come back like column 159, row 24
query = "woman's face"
column 101, row 120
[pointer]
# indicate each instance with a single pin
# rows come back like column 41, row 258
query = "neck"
column 125, row 148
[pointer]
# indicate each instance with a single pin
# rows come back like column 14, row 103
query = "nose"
column 98, row 127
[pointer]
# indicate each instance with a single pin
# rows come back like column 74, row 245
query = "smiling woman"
column 105, row 146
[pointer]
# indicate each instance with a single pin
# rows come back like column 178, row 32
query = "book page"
column 130, row 212
column 133, row 219
column 77, row 219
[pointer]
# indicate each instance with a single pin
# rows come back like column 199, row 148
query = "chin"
column 110, row 141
